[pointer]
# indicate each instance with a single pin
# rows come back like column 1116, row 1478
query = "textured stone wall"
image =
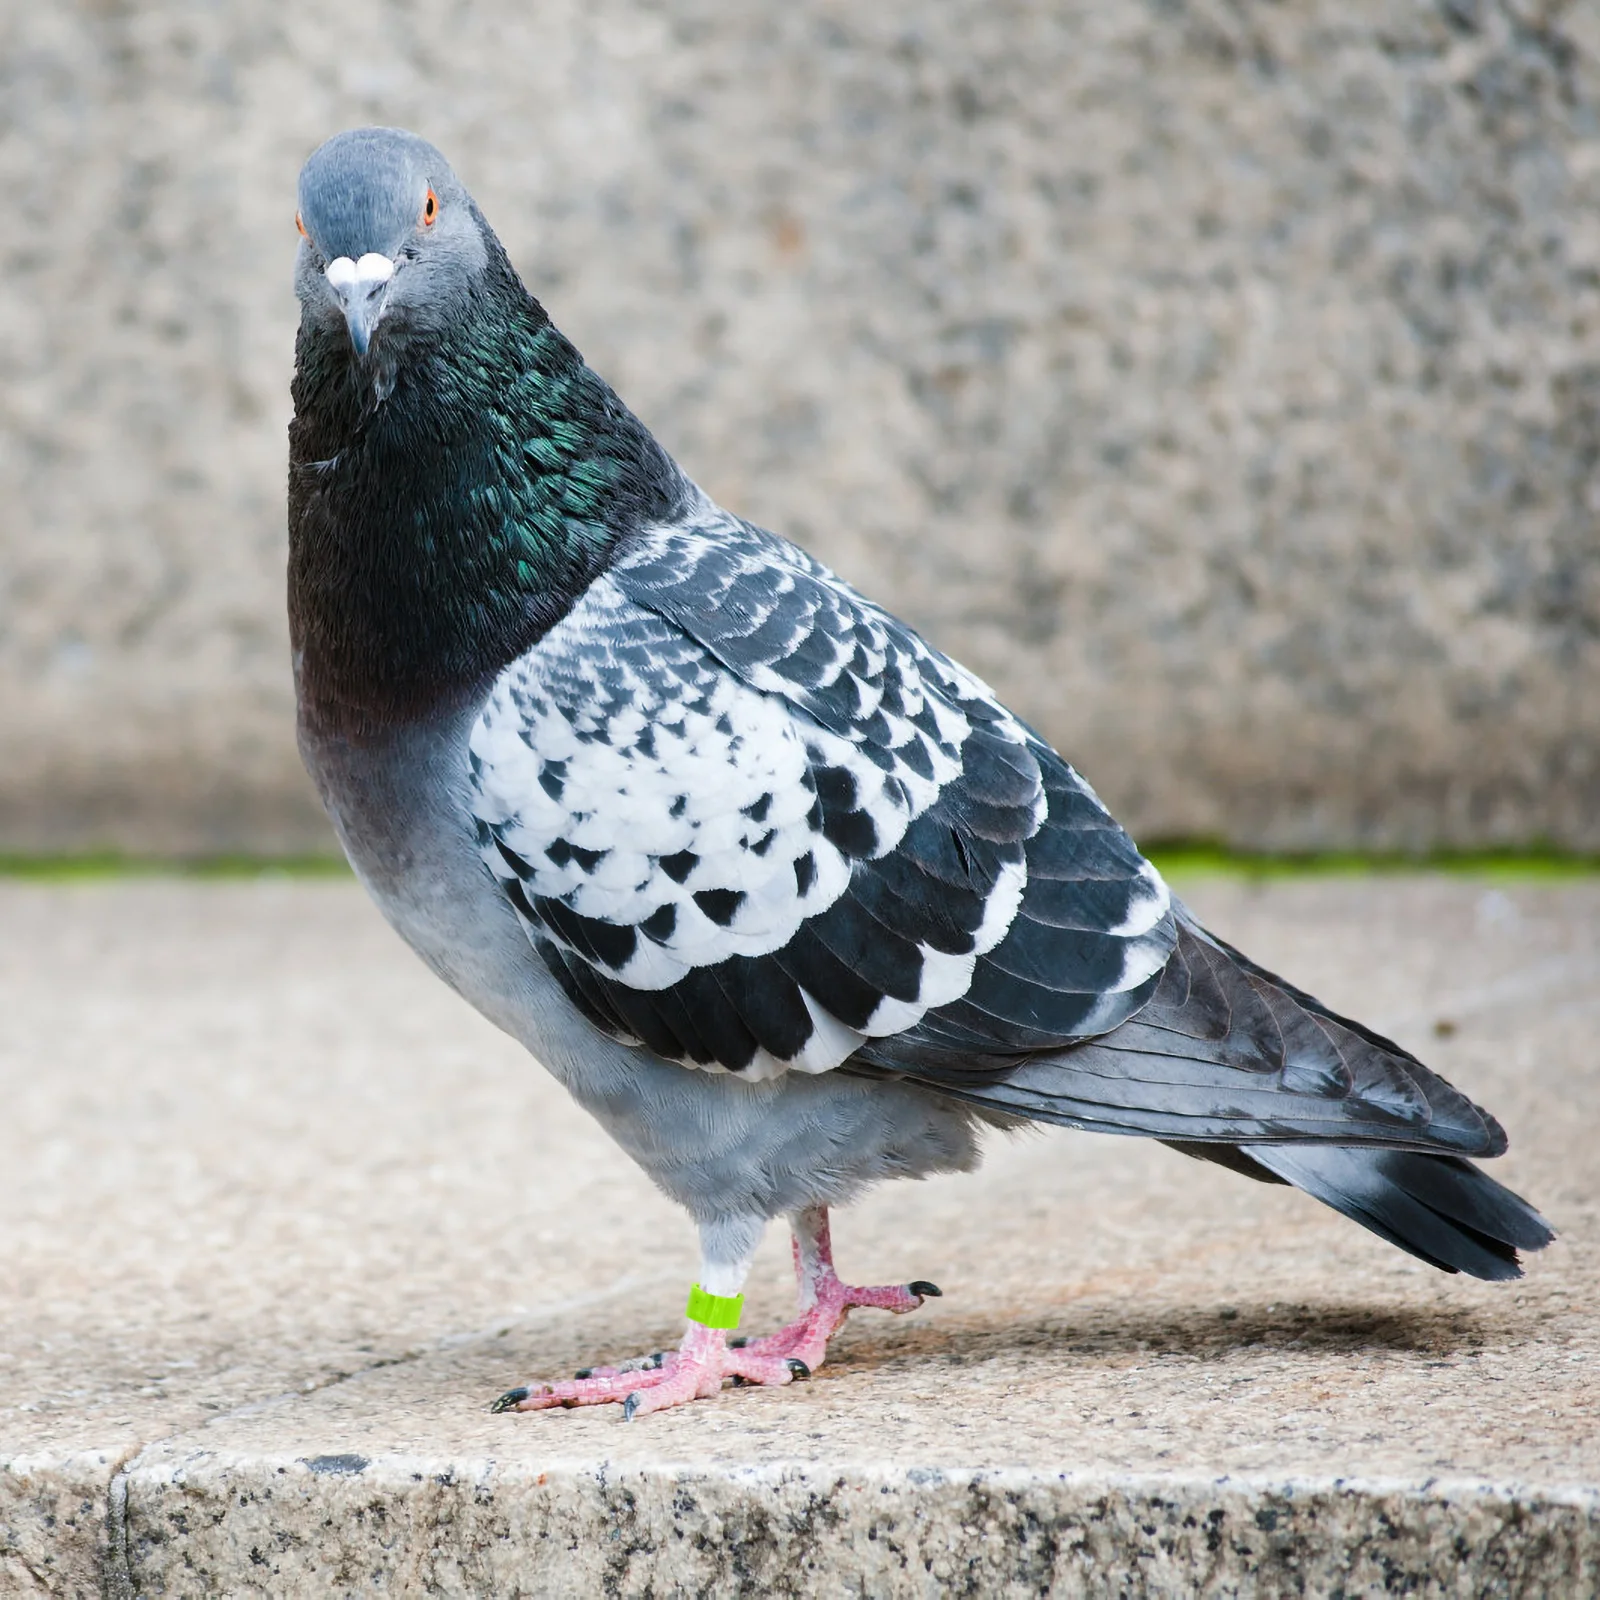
column 1221, row 380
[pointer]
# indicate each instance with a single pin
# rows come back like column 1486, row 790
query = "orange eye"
column 301, row 226
column 430, row 209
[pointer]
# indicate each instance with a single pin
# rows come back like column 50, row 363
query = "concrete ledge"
column 263, row 1527
column 56, row 1524
column 279, row 1218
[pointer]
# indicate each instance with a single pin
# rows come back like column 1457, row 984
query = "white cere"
column 372, row 269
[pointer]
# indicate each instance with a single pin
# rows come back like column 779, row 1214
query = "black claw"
column 739, row 1343
column 584, row 1372
column 923, row 1287
column 740, row 1381
column 510, row 1400
column 798, row 1367
column 629, row 1406
column 659, row 1359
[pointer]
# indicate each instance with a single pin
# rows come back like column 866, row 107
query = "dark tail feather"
column 1440, row 1208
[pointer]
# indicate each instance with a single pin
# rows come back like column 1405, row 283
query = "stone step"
column 280, row 1217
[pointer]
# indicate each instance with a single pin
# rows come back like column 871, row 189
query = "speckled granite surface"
column 279, row 1217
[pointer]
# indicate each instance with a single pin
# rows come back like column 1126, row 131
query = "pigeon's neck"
column 446, row 513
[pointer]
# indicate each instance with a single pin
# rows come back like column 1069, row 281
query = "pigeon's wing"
column 753, row 822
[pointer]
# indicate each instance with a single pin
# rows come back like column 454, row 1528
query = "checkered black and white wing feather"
column 753, row 822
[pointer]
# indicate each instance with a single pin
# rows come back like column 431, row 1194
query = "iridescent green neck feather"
column 439, row 531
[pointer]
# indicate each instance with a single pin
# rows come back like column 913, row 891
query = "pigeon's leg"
column 825, row 1302
column 699, row 1366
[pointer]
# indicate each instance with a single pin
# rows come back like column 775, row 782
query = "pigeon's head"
column 387, row 235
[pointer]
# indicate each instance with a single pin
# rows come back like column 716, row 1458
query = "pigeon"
column 783, row 896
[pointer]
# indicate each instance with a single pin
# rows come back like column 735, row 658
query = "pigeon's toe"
column 695, row 1371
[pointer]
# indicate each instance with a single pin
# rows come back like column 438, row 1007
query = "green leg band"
column 714, row 1310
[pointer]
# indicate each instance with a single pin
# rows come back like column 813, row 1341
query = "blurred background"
column 1220, row 380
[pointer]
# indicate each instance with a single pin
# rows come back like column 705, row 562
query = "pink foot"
column 694, row 1371
column 698, row 1368
column 806, row 1338
column 826, row 1301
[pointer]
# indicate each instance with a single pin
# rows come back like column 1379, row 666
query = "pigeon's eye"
column 301, row 226
column 430, row 209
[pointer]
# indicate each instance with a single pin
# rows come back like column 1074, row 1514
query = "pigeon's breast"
column 397, row 805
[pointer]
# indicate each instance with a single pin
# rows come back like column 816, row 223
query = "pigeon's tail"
column 1439, row 1208
column 1229, row 1063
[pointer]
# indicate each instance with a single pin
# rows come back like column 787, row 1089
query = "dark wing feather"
column 1226, row 1053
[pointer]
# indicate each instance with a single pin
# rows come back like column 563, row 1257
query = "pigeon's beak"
column 361, row 288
